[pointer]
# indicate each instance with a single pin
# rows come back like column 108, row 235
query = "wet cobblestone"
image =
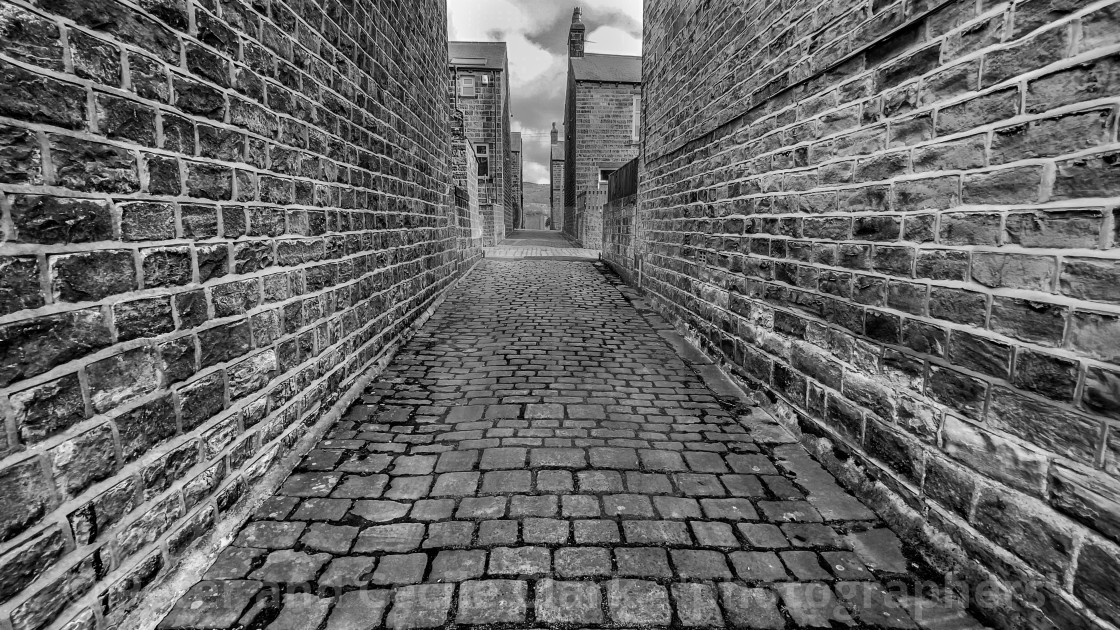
column 538, row 455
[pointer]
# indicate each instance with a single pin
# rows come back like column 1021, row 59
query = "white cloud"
column 535, row 172
column 609, row 40
column 527, row 61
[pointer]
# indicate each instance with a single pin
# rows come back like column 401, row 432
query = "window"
column 466, row 86
column 605, row 176
column 636, row 123
column 482, row 152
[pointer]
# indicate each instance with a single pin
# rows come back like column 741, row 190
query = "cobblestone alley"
column 825, row 332
column 539, row 455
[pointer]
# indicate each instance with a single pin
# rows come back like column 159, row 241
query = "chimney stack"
column 576, row 34
column 555, row 134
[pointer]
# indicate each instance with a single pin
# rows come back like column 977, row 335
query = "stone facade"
column 486, row 111
column 602, row 103
column 464, row 175
column 899, row 220
column 588, row 228
column 516, row 167
column 556, row 181
column 619, row 240
column 216, row 217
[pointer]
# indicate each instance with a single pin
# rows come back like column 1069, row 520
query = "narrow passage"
column 538, row 244
column 539, row 456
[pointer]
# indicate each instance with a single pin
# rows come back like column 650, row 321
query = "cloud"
column 611, row 40
column 536, row 32
column 535, row 172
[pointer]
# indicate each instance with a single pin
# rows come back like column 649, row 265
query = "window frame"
column 636, row 122
column 463, row 87
column 479, row 156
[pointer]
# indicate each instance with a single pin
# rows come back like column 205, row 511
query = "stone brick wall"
column 620, row 242
column 464, row 175
column 588, row 231
column 598, row 131
column 215, row 215
column 516, row 196
column 556, row 181
column 900, row 219
column 486, row 118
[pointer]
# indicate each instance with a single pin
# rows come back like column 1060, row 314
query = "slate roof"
column 490, row 55
column 607, row 68
column 558, row 151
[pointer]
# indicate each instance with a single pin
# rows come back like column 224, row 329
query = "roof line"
column 606, row 55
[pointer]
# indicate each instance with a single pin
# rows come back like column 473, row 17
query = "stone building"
column 899, row 221
column 516, row 166
column 215, row 222
column 602, row 106
column 556, row 181
column 480, row 89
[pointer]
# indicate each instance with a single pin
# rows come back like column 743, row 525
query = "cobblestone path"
column 538, row 244
column 539, row 456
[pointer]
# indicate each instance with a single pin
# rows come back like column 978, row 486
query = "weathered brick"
column 225, row 342
column 1102, row 392
column 92, row 276
column 1018, row 271
column 35, row 346
column 82, row 460
column 48, row 219
column 978, row 111
column 145, row 426
column 28, row 495
column 1094, row 335
column 995, row 456
column 209, row 181
column 1091, row 176
column 122, row 378
column 21, row 161
column 164, row 177
column 147, row 221
column 1008, row 186
column 95, row 58
column 1086, row 496
column 148, row 78
column 19, row 284
column 1055, row 228
column 1026, row 55
column 1100, row 77
column 965, row 154
column 1046, row 424
column 1040, row 322
column 46, row 604
column 25, row 95
column 143, row 318
column 93, row 166
column 30, row 37
column 980, row 353
column 201, row 399
column 1097, row 572
column 47, row 409
column 198, row 98
column 124, row 119
column 33, row 557
column 1091, row 279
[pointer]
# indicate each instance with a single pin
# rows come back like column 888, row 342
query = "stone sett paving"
column 538, row 244
column 539, row 456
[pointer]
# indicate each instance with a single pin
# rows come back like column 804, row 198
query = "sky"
column 536, row 35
